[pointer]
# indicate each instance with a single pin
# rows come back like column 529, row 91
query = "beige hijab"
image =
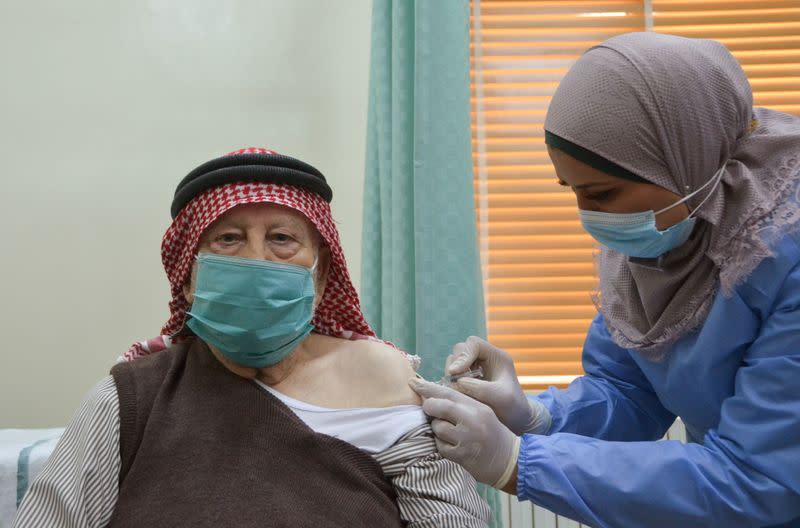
column 674, row 111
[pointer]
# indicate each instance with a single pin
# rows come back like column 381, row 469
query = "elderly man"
column 268, row 399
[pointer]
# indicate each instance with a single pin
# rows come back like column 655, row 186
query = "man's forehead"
column 265, row 210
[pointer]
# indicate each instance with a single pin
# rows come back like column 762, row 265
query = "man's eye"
column 281, row 238
column 228, row 238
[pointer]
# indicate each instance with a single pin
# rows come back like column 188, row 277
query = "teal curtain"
column 421, row 280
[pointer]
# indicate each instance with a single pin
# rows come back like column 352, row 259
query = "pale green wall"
column 104, row 106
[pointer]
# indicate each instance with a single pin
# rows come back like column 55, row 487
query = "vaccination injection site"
column 400, row 263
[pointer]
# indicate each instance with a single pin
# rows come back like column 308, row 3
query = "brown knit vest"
column 201, row 446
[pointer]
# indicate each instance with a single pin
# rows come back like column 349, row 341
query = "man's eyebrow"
column 294, row 223
column 227, row 223
column 287, row 219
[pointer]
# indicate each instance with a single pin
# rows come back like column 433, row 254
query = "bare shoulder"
column 382, row 373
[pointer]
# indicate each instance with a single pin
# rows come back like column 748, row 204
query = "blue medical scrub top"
column 735, row 383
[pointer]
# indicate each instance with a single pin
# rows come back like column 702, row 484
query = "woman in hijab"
column 267, row 400
column 694, row 197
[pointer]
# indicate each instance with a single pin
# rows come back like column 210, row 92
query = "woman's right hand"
column 499, row 388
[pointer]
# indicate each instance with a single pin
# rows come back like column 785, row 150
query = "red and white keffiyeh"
column 338, row 314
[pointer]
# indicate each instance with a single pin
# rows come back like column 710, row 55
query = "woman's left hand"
column 468, row 432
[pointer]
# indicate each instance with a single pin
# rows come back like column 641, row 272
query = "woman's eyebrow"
column 587, row 185
column 583, row 185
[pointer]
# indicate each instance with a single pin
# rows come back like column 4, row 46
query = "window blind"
column 537, row 261
column 763, row 36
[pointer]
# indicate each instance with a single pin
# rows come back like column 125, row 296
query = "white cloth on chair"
column 23, row 452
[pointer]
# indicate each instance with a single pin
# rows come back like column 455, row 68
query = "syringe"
column 452, row 378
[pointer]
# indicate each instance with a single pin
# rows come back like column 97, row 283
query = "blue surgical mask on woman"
column 636, row 234
column 253, row 311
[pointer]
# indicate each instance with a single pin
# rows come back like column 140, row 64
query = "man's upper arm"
column 384, row 372
column 431, row 491
column 79, row 484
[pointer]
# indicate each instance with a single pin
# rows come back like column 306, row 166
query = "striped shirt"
column 78, row 486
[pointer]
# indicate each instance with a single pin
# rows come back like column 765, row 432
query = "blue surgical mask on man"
column 255, row 312
column 636, row 234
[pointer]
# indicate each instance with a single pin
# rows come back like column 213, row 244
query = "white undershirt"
column 373, row 429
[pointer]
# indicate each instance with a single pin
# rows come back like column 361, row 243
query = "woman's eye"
column 600, row 196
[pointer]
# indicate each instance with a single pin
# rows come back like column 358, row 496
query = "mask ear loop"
column 720, row 173
column 716, row 179
column 658, row 263
column 313, row 270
